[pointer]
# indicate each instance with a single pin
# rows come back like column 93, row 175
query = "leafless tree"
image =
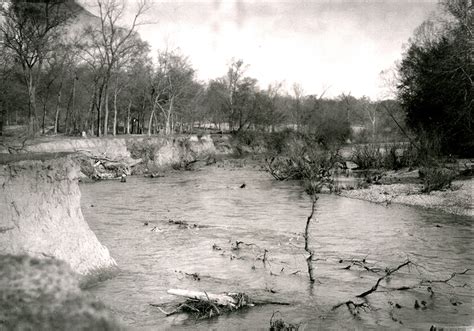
column 110, row 43
column 29, row 29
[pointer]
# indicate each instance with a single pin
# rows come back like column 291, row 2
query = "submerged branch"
column 388, row 272
column 309, row 259
column 446, row 281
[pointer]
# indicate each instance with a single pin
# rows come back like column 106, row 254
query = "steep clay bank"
column 40, row 215
column 104, row 158
column 44, row 294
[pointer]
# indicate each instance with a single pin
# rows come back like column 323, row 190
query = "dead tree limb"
column 446, row 281
column 388, row 272
column 309, row 259
column 360, row 263
column 206, row 305
column 352, row 306
column 220, row 299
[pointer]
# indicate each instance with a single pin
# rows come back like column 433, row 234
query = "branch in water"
column 388, row 272
column 353, row 306
column 446, row 281
column 309, row 259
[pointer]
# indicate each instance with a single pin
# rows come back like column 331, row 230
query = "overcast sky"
column 342, row 45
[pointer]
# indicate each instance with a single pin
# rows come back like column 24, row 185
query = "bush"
column 277, row 142
column 305, row 161
column 248, row 138
column 367, row 156
column 396, row 156
column 435, row 179
column 145, row 149
column 391, row 159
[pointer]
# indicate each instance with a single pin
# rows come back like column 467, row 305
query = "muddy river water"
column 270, row 215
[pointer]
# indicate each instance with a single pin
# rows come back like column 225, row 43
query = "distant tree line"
column 66, row 71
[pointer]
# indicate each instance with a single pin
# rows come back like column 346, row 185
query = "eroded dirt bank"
column 105, row 158
column 40, row 215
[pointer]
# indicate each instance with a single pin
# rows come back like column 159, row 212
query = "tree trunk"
column 72, row 104
column 91, row 113
column 106, row 115
column 44, row 110
column 157, row 123
column 56, row 116
column 114, row 128
column 58, row 106
column 150, row 121
column 168, row 117
column 31, row 103
column 99, row 105
column 128, row 116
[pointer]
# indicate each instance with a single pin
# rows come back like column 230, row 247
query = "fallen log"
column 206, row 305
column 219, row 299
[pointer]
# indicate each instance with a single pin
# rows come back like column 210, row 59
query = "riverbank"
column 457, row 200
column 112, row 157
column 41, row 216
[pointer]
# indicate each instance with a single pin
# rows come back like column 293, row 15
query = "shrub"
column 145, row 149
column 307, row 162
column 248, row 138
column 277, row 142
column 367, row 156
column 435, row 178
column 391, row 159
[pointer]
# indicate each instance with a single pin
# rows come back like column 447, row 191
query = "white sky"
column 338, row 44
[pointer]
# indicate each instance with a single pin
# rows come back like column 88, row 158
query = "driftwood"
column 219, row 299
column 206, row 305
column 225, row 299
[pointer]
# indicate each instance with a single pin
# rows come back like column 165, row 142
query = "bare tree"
column 298, row 104
column 173, row 79
column 233, row 81
column 110, row 42
column 371, row 110
column 29, row 29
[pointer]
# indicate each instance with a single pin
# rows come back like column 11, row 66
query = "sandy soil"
column 457, row 200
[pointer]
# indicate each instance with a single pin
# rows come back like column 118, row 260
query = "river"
column 270, row 215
